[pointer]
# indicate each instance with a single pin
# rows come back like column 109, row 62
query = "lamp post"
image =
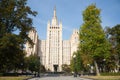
column 104, row 64
column 21, row 67
column 88, row 69
column 39, row 67
column 75, row 73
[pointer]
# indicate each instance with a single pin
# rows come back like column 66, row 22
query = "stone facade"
column 66, row 52
column 29, row 48
column 74, row 41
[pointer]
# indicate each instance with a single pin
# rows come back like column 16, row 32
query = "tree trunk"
column 97, row 70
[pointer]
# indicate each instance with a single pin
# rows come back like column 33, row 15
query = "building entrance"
column 55, row 68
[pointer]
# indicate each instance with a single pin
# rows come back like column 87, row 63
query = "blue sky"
column 70, row 13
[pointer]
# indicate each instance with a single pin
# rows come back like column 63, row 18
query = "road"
column 59, row 78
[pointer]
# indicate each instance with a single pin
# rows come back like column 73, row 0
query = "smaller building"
column 42, row 51
column 66, row 51
column 74, row 41
column 32, row 49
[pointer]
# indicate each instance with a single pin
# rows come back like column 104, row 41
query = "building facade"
column 32, row 49
column 54, row 51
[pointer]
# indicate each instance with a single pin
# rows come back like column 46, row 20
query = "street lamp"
column 21, row 67
column 88, row 69
column 39, row 67
column 104, row 64
column 75, row 73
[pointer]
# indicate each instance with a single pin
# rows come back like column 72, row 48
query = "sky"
column 70, row 13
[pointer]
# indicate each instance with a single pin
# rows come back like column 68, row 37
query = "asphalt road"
column 59, row 78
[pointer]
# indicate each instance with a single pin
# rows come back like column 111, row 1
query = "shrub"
column 1, row 74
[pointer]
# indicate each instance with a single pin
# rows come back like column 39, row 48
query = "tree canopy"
column 34, row 63
column 76, row 62
column 113, row 35
column 93, row 42
column 14, row 18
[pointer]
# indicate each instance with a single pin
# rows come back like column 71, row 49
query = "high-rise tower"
column 54, row 52
column 54, row 44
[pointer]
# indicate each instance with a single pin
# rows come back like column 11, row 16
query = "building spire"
column 54, row 19
column 54, row 12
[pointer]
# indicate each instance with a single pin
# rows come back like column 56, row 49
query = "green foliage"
column 11, row 55
column 114, row 33
column 66, row 68
column 34, row 63
column 42, row 69
column 79, row 62
column 14, row 16
column 1, row 74
column 92, row 36
column 72, row 64
column 76, row 62
column 114, row 38
column 93, row 43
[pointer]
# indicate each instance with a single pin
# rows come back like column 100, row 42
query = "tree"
column 66, row 68
column 42, row 69
column 93, row 42
column 14, row 16
column 79, row 63
column 76, row 62
column 10, row 53
column 114, row 38
column 73, row 62
column 34, row 63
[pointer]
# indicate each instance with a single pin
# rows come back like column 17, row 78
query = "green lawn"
column 103, row 77
column 14, row 78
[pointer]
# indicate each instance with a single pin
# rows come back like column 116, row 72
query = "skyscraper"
column 54, row 44
column 54, row 52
